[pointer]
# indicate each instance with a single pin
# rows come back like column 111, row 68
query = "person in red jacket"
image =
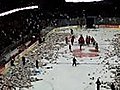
column 81, row 40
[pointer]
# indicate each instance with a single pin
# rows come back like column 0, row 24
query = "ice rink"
column 63, row 76
column 55, row 60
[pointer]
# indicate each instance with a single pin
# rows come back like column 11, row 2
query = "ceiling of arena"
column 6, row 5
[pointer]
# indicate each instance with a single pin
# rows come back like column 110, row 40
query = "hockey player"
column 96, row 47
column 94, row 43
column 72, row 39
column 71, row 31
column 74, row 62
column 81, row 42
column 87, row 40
column 70, row 48
column 80, row 47
column 92, row 39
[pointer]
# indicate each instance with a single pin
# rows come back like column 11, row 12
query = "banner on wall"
column 108, row 26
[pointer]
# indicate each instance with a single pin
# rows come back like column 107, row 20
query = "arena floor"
column 90, row 64
column 58, row 72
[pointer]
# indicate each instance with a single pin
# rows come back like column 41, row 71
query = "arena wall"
column 108, row 26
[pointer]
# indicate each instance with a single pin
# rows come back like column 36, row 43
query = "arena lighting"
column 82, row 0
column 16, row 10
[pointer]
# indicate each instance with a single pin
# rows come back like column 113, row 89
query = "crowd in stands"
column 108, row 20
column 19, row 28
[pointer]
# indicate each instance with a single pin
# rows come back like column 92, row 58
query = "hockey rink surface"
column 91, row 65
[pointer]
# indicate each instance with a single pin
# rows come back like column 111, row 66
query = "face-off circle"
column 81, row 54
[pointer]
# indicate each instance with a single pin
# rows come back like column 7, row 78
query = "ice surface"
column 82, row 77
column 57, row 70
